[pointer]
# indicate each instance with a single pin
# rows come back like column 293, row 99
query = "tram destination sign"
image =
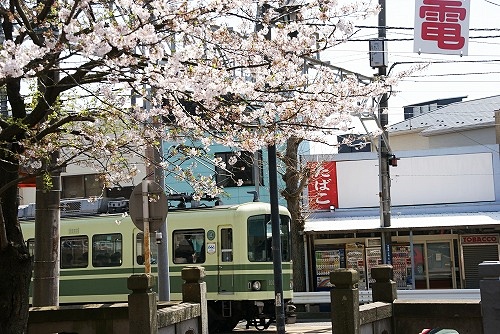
column 157, row 206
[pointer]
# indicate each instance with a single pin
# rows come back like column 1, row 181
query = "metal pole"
column 275, row 217
column 275, row 224
column 256, row 174
column 385, row 195
column 145, row 213
column 163, row 268
column 412, row 261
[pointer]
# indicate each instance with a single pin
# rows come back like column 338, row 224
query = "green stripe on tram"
column 101, row 286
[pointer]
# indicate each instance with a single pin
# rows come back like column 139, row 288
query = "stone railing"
column 142, row 315
column 389, row 315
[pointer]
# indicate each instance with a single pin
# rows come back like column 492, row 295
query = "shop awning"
column 404, row 222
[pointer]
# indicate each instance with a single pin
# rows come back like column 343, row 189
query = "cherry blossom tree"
column 217, row 71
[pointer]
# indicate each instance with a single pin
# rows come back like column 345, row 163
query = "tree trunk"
column 15, row 261
column 294, row 184
column 15, row 277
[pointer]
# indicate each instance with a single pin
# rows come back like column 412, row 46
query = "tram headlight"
column 256, row 285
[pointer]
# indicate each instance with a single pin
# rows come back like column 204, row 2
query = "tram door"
column 225, row 260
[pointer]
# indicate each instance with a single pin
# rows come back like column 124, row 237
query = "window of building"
column 189, row 246
column 81, row 186
column 353, row 144
column 107, row 250
column 239, row 169
column 74, row 252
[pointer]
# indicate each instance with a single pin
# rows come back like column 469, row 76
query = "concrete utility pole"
column 385, row 182
column 47, row 218
column 46, row 261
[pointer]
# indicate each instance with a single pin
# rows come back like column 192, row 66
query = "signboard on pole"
column 157, row 208
column 442, row 26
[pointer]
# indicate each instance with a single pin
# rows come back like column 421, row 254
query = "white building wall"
column 419, row 180
column 413, row 141
column 417, row 141
column 485, row 136
column 27, row 195
column 358, row 183
column 443, row 179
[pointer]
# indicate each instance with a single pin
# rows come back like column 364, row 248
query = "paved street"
column 297, row 328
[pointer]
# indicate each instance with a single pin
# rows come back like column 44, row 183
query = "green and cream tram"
column 232, row 243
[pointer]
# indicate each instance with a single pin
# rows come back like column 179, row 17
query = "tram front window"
column 260, row 238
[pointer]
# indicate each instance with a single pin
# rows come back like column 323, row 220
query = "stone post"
column 384, row 289
column 489, row 285
column 142, row 305
column 345, row 301
column 194, row 290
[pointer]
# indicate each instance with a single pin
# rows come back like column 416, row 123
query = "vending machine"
column 373, row 258
column 326, row 262
column 401, row 265
column 355, row 258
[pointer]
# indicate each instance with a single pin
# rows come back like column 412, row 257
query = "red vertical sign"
column 322, row 187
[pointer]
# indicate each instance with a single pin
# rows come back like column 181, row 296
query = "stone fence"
column 142, row 314
column 388, row 315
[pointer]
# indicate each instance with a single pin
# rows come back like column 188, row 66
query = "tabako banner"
column 322, row 187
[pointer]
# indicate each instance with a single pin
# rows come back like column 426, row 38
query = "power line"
column 411, row 39
column 491, row 2
column 411, row 28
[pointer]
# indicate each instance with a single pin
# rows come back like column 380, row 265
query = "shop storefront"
column 428, row 251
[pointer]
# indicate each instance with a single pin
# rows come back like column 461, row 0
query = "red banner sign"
column 322, row 187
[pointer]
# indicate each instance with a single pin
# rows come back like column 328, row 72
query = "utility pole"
column 275, row 217
column 385, row 182
column 46, row 261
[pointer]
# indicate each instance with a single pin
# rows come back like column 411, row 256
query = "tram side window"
column 226, row 247
column 74, row 252
column 189, row 246
column 139, row 249
column 107, row 250
column 260, row 238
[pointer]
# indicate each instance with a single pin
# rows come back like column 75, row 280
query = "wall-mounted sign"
column 442, row 26
column 322, row 187
column 474, row 239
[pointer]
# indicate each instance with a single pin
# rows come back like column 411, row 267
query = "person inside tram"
column 184, row 251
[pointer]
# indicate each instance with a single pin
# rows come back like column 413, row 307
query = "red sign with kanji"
column 442, row 26
column 322, row 187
